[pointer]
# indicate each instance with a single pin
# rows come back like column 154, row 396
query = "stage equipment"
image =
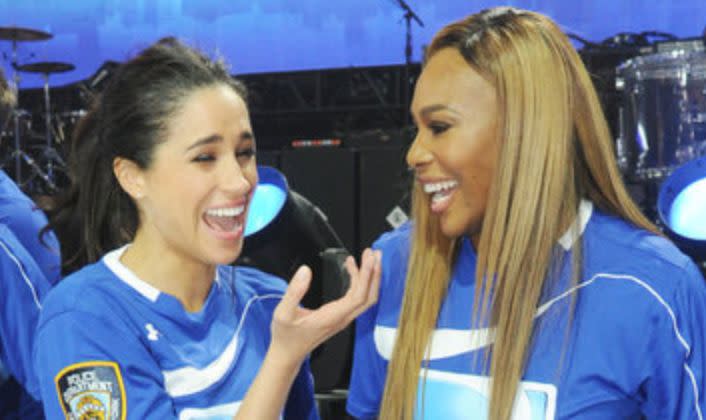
column 682, row 208
column 663, row 114
column 52, row 158
column 15, row 35
column 285, row 230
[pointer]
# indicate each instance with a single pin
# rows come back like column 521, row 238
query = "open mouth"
column 440, row 193
column 225, row 220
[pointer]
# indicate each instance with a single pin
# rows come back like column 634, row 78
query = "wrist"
column 282, row 359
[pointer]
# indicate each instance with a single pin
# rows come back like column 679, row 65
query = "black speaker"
column 268, row 158
column 326, row 177
column 384, row 186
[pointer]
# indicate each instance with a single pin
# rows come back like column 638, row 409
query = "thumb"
column 295, row 292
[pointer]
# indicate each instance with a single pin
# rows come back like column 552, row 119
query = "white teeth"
column 431, row 188
column 229, row 212
column 440, row 196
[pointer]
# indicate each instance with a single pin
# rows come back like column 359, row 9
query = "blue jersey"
column 22, row 216
column 110, row 345
column 28, row 266
column 22, row 286
column 636, row 346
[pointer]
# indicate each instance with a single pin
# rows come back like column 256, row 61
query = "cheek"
column 250, row 174
column 476, row 180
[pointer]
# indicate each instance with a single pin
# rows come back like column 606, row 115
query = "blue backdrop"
column 281, row 35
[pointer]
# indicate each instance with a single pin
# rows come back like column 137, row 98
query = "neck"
column 170, row 272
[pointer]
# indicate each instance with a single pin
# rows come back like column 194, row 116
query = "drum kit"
column 663, row 114
column 662, row 141
column 45, row 165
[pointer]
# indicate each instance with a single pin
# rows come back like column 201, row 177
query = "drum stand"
column 18, row 154
column 50, row 153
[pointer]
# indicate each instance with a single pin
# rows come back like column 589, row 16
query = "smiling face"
column 455, row 152
column 194, row 196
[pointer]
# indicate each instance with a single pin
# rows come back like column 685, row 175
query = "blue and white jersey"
column 636, row 345
column 111, row 345
column 22, row 287
column 22, row 216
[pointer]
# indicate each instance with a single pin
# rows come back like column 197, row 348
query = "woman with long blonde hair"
column 529, row 285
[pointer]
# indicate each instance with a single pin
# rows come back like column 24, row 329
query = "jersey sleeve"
column 678, row 357
column 368, row 372
column 89, row 366
column 369, row 368
column 23, row 286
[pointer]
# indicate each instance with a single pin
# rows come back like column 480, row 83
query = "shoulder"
column 10, row 245
column 395, row 241
column 614, row 246
column 626, row 264
column 90, row 290
column 14, row 204
column 395, row 247
column 19, row 267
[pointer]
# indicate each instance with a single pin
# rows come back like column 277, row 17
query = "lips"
column 225, row 220
column 440, row 193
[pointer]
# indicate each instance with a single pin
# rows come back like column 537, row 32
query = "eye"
column 246, row 153
column 204, row 157
column 438, row 127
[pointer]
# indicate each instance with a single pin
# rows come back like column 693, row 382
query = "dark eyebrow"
column 213, row 138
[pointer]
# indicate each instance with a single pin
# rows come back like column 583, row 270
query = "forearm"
column 266, row 397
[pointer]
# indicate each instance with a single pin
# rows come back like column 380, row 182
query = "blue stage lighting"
column 268, row 199
column 682, row 207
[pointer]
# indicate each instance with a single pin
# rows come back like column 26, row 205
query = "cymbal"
column 14, row 33
column 46, row 67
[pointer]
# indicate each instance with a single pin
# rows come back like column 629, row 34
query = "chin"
column 451, row 232
column 456, row 228
column 224, row 256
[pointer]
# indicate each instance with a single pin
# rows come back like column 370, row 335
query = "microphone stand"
column 409, row 15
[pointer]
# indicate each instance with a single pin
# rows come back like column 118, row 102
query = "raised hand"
column 297, row 330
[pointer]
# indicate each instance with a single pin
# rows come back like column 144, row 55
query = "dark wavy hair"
column 128, row 119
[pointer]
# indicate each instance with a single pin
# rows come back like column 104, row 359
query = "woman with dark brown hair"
column 158, row 324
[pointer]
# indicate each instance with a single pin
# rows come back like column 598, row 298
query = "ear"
column 130, row 177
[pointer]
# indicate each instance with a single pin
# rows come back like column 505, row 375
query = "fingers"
column 296, row 290
column 365, row 283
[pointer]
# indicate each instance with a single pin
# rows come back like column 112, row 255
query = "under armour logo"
column 152, row 333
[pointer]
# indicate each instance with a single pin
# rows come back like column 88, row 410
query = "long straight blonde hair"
column 555, row 149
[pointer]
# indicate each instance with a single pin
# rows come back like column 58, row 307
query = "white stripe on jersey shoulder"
column 24, row 275
column 576, row 229
column 191, row 380
column 217, row 411
column 112, row 261
column 670, row 312
column 445, row 342
column 454, row 342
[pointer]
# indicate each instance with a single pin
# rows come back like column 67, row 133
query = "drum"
column 663, row 113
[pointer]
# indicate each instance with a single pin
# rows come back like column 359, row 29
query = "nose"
column 418, row 155
column 238, row 179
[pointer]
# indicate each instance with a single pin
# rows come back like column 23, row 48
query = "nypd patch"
column 91, row 390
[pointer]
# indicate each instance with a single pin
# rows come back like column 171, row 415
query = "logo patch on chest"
column 91, row 391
